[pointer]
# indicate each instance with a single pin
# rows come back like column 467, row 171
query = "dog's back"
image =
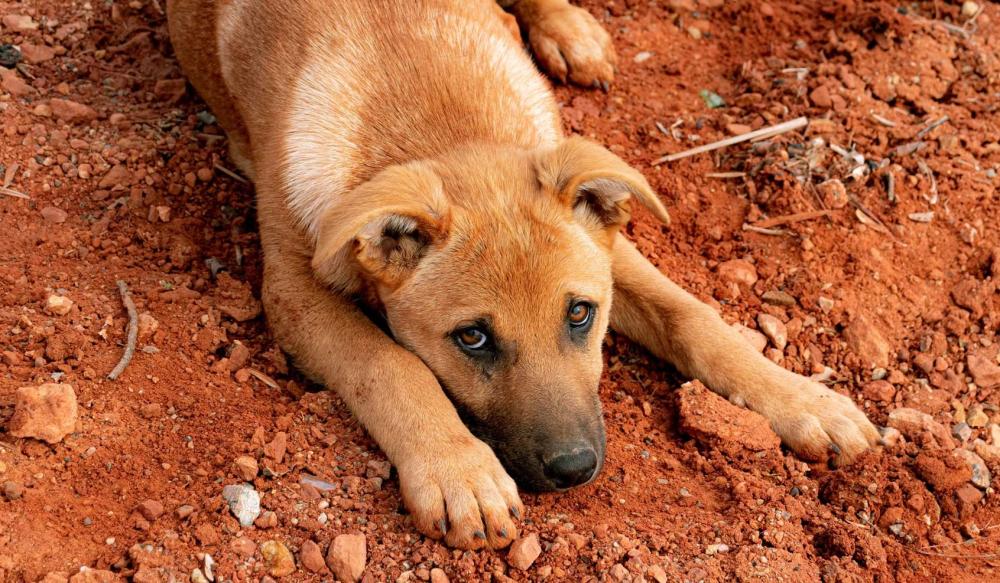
column 373, row 83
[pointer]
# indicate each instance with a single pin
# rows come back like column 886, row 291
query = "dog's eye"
column 472, row 338
column 580, row 314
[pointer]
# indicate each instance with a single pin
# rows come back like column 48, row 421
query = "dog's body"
column 409, row 163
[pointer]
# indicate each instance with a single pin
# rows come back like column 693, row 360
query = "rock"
column 239, row 355
column 246, row 468
column 984, row 372
column 976, row 417
column 379, row 469
column 774, row 329
column 54, row 215
column 243, row 547
column 980, row 473
column 276, row 448
column 244, row 502
column 738, row 129
column 19, row 23
column 198, row 577
column 716, row 549
column 642, row 57
column 267, row 520
column 148, row 325
column 833, row 193
column 737, row 271
column 778, row 298
column 438, row 576
column 879, row 391
column 311, row 557
column 969, row 494
column 46, row 412
column 119, row 175
column 150, row 509
column 618, row 572
column 943, row 471
column 34, row 54
column 989, row 453
column 755, row 338
column 205, row 174
column 170, row 90
column 974, row 295
column 278, row 559
column 969, row 9
column 523, row 552
column 183, row 511
column 716, row 422
column 821, row 97
column 13, row 84
column 58, row 305
column 867, row 342
column 71, row 111
column 88, row 575
column 347, row 557
column 825, row 304
column 914, row 424
column 206, row 534
column 13, row 490
column 962, row 432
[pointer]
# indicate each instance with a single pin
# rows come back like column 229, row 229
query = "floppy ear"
column 386, row 225
column 596, row 184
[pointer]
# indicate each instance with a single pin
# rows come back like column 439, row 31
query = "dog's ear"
column 595, row 183
column 386, row 225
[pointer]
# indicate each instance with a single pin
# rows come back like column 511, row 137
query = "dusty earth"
column 885, row 288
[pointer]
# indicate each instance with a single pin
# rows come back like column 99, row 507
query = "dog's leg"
column 812, row 420
column 451, row 481
column 568, row 42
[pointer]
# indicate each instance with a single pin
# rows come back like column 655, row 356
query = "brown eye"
column 580, row 314
column 472, row 338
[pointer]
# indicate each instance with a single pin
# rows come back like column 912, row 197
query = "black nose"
column 571, row 468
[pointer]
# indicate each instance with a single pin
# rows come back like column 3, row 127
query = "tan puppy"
column 438, row 253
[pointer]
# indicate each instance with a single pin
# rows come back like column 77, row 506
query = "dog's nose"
column 571, row 468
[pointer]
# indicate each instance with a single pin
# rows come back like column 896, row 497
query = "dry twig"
column 12, row 192
column 764, row 231
column 133, row 331
column 932, row 125
column 793, row 218
column 762, row 133
column 231, row 174
column 263, row 378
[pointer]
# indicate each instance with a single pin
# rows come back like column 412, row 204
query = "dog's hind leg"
column 814, row 421
column 451, row 481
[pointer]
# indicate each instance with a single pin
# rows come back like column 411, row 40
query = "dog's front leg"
column 567, row 40
column 814, row 421
column 451, row 481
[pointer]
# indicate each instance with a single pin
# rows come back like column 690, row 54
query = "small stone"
column 438, row 576
column 984, row 372
column 834, row 193
column 206, row 534
column 738, row 271
column 969, row 494
column 716, row 422
column 54, row 215
column 34, row 54
column 695, row 32
column 657, row 573
column 246, row 468
column 778, row 298
column 13, row 490
column 276, row 448
column 642, row 57
column 879, row 391
column 962, row 432
column 278, row 560
column 311, row 557
column 976, row 417
column 738, row 129
column 150, row 509
column 239, row 355
column 19, row 23
column 980, row 473
column 71, row 111
column 184, row 511
column 523, row 552
column 148, row 325
column 267, row 520
column 913, row 424
column 378, row 469
column 170, row 90
column 119, row 175
column 825, row 304
column 774, row 329
column 867, row 342
column 243, row 547
column 244, row 502
column 969, row 9
column 204, row 174
column 716, row 549
column 821, row 97
column 347, row 557
column 618, row 572
column 46, row 412
column 58, row 305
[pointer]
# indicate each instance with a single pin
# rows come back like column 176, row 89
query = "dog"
column 442, row 256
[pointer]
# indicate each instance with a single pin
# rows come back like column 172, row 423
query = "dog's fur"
column 413, row 183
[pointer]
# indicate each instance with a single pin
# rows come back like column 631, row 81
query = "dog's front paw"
column 815, row 422
column 463, row 494
column 571, row 45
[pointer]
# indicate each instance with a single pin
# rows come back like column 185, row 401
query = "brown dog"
column 438, row 253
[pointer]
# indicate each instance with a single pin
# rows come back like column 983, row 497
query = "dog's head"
column 494, row 267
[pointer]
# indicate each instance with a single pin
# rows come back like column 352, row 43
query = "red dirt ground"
column 129, row 192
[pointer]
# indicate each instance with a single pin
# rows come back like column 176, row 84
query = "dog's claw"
column 502, row 533
column 515, row 512
column 834, row 448
column 443, row 526
column 605, row 86
column 479, row 534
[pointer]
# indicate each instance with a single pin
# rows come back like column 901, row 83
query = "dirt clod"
column 46, row 412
